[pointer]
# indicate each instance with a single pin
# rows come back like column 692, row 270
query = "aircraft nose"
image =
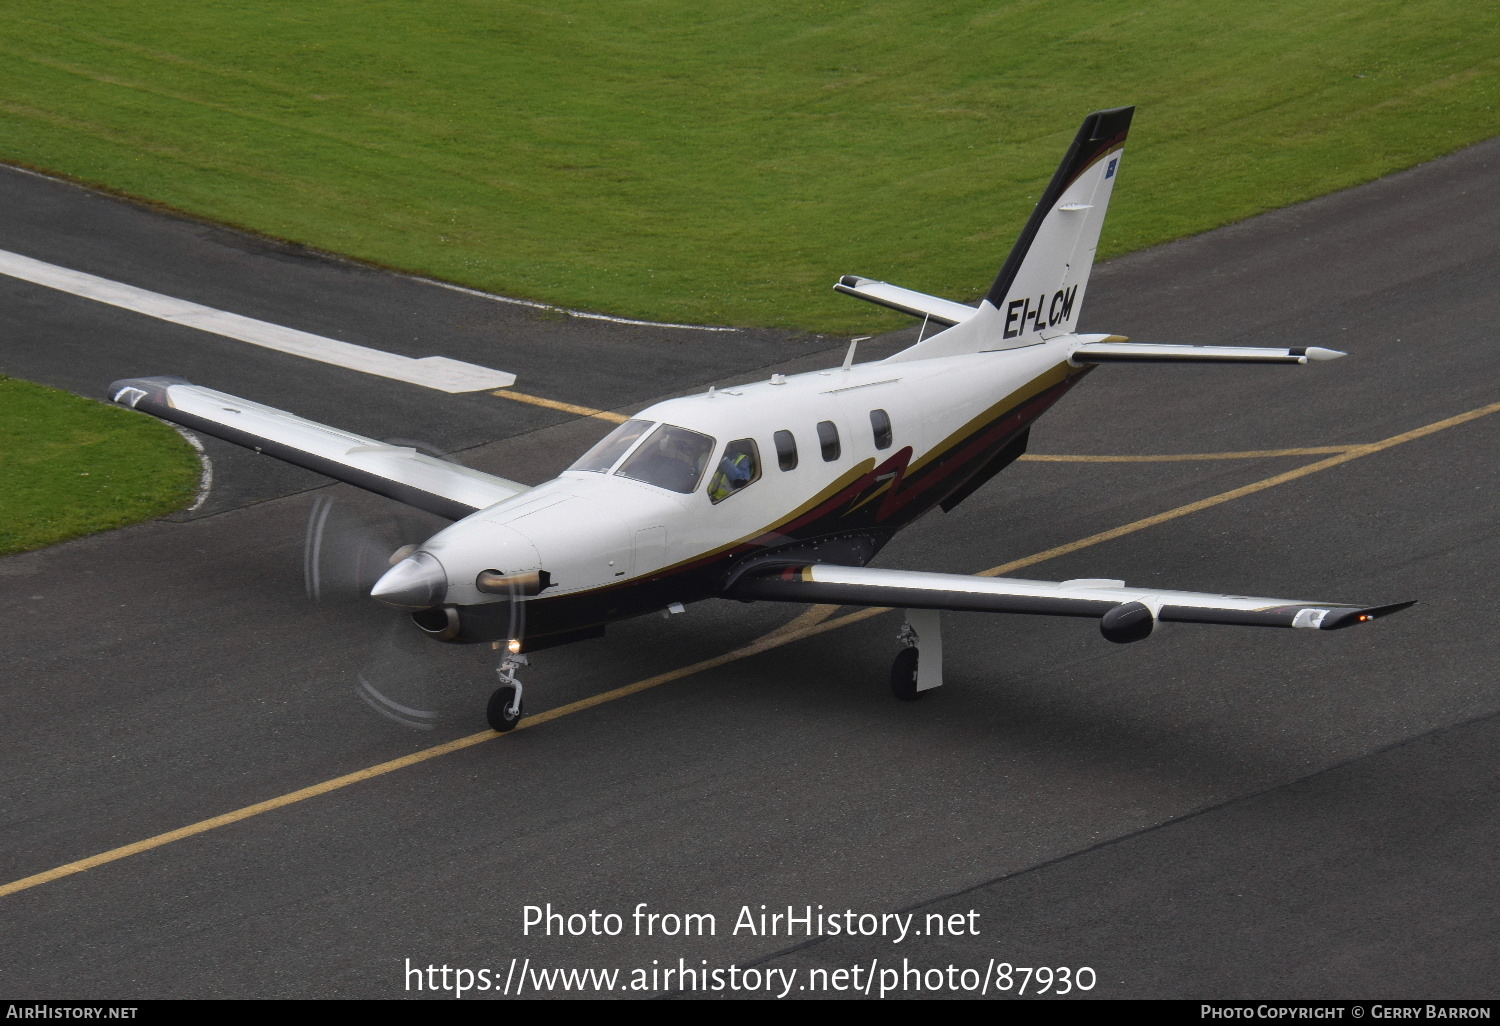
column 417, row 582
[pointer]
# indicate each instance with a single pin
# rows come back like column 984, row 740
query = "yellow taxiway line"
column 554, row 404
column 812, row 622
column 1253, row 454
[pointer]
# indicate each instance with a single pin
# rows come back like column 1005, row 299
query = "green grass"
column 700, row 161
column 722, row 162
column 70, row 466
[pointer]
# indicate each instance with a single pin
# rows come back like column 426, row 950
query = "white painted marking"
column 206, row 478
column 39, row 174
column 436, row 372
column 563, row 310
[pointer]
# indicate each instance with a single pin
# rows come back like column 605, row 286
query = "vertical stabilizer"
column 1039, row 290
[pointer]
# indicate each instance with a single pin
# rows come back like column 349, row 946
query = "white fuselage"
column 593, row 531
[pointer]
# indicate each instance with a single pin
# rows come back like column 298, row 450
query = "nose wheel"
column 506, row 708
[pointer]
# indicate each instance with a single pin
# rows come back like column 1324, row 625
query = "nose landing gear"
column 505, row 707
column 914, row 673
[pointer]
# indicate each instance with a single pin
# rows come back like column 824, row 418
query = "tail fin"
column 1039, row 291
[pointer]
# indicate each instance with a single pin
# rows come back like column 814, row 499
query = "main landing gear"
column 505, row 706
column 914, row 671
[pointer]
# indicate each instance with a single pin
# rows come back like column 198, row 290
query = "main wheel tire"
column 904, row 675
column 499, row 709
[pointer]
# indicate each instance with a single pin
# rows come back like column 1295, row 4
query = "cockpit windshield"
column 671, row 457
column 607, row 453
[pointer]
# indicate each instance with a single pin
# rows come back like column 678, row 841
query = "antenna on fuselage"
column 853, row 345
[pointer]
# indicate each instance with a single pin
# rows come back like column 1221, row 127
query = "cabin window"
column 671, row 457
column 786, row 450
column 828, row 438
column 880, row 423
column 739, row 467
column 611, row 447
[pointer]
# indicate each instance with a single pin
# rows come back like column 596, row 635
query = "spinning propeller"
column 351, row 544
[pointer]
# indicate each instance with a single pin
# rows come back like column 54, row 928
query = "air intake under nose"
column 417, row 582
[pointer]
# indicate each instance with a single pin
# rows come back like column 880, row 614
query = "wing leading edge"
column 1126, row 614
column 397, row 472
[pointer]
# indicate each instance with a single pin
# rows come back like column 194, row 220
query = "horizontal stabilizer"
column 1121, row 609
column 943, row 311
column 1141, row 352
column 397, row 472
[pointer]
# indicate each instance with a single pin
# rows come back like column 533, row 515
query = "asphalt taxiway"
column 1211, row 813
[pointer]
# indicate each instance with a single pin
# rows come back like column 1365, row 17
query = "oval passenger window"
column 786, row 450
column 828, row 438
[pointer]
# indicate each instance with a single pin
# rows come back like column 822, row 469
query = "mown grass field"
column 722, row 162
column 699, row 161
column 70, row 466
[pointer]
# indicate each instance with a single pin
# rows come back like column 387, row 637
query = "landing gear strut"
column 911, row 673
column 505, row 706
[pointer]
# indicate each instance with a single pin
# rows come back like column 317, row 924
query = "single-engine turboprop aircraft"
column 779, row 491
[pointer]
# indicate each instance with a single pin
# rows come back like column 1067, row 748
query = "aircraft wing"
column 1126, row 614
column 395, row 471
column 918, row 304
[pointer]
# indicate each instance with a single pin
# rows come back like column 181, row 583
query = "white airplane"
column 779, row 491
